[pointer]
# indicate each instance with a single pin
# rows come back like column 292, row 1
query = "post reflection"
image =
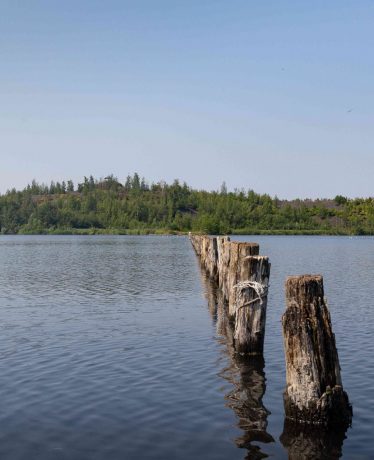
column 247, row 377
column 308, row 442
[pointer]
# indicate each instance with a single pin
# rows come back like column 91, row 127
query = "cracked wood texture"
column 314, row 392
column 229, row 263
column 250, row 314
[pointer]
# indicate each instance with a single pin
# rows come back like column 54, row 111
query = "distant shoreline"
column 138, row 208
column 165, row 232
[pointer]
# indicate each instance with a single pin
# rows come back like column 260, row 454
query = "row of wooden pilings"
column 314, row 392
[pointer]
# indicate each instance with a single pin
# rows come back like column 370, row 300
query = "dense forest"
column 137, row 207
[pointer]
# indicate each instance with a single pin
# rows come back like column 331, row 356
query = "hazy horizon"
column 275, row 97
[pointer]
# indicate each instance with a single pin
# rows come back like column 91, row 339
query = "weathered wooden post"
column 314, row 392
column 239, row 269
column 246, row 374
column 243, row 279
column 212, row 258
column 224, row 250
column 250, row 306
column 206, row 248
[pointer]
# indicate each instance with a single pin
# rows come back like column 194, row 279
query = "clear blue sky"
column 277, row 96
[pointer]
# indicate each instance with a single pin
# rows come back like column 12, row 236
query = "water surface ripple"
column 111, row 347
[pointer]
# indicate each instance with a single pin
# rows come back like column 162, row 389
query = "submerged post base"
column 332, row 409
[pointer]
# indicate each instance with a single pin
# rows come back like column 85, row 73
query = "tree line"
column 136, row 206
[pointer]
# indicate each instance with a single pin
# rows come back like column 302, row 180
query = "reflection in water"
column 246, row 374
column 307, row 442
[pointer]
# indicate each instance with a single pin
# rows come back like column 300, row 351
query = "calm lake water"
column 112, row 347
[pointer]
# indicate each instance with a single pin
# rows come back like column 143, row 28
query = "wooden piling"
column 243, row 278
column 206, row 249
column 250, row 306
column 240, row 269
column 314, row 392
column 246, row 376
